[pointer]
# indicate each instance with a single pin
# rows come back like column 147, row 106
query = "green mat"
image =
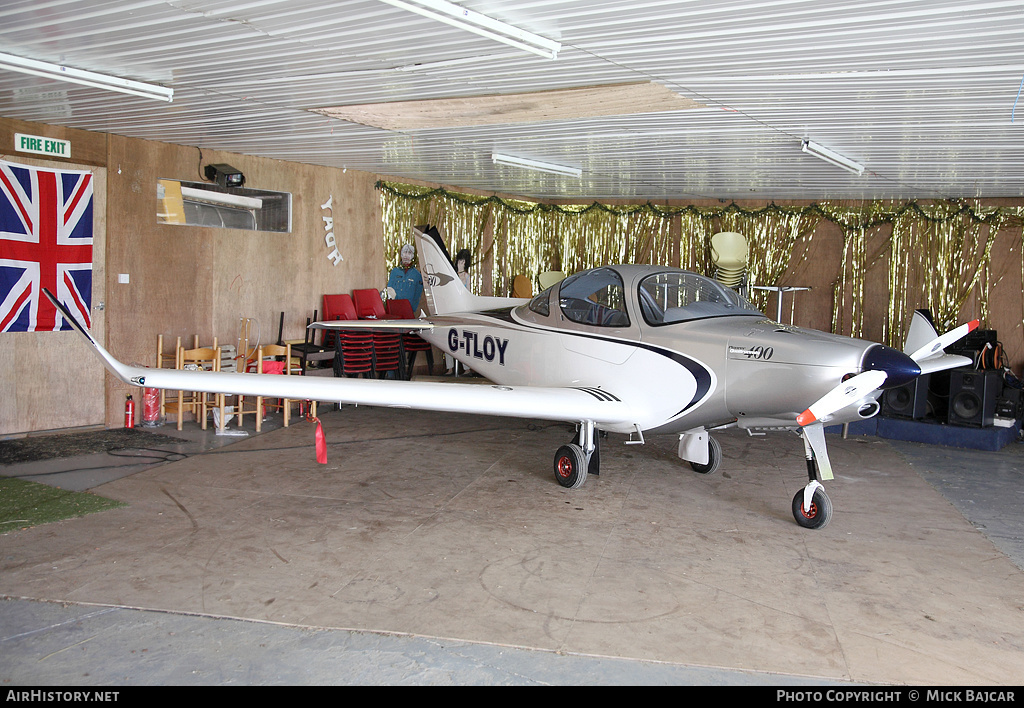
column 24, row 504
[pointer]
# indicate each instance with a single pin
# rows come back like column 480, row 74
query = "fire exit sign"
column 42, row 146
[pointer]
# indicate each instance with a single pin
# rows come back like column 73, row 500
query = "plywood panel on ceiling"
column 562, row 104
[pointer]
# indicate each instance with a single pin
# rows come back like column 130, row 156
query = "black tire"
column 714, row 458
column 570, row 466
column 820, row 513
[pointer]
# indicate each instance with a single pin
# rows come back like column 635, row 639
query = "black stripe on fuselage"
column 701, row 374
column 598, row 393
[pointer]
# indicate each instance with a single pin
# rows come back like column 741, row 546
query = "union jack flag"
column 45, row 242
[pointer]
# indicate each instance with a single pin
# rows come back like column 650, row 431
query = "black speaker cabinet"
column 974, row 342
column 907, row 401
column 1008, row 405
column 972, row 396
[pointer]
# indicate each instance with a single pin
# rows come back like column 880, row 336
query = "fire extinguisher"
column 129, row 413
column 150, row 407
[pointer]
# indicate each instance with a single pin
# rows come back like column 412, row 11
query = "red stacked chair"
column 354, row 355
column 387, row 346
column 368, row 304
column 333, row 307
column 411, row 342
column 387, row 354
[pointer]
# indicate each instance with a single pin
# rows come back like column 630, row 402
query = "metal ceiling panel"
column 924, row 93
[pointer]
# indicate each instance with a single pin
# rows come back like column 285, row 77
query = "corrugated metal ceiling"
column 922, row 92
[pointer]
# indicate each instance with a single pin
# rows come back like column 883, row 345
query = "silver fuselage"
column 702, row 372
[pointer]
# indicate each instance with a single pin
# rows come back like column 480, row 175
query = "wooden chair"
column 266, row 363
column 198, row 402
column 166, row 360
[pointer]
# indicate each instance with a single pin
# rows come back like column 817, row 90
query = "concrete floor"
column 439, row 550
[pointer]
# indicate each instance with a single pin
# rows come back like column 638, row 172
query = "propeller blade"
column 943, row 341
column 842, row 395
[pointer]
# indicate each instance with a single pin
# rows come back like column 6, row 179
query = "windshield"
column 678, row 296
column 594, row 297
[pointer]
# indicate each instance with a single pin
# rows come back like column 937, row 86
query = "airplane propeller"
column 844, row 394
column 883, row 366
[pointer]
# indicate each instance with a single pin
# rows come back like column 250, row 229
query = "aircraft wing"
column 375, row 325
column 565, row 404
column 544, row 403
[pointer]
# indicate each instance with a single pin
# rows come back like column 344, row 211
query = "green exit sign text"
column 42, row 146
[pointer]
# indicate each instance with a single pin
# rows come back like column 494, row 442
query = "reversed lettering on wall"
column 332, row 243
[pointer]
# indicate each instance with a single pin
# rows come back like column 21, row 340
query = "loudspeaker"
column 1008, row 405
column 907, row 401
column 972, row 396
column 974, row 343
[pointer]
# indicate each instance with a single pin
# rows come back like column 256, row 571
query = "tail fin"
column 441, row 284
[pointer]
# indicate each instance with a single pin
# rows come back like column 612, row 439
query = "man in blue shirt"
column 406, row 280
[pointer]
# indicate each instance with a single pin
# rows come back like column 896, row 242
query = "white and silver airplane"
column 630, row 349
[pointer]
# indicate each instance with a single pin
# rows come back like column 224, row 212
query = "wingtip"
column 973, row 325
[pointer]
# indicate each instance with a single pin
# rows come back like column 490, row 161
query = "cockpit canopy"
column 598, row 298
column 678, row 296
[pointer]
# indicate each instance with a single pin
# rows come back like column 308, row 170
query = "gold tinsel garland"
column 937, row 253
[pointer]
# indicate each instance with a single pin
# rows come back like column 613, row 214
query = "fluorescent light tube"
column 500, row 159
column 85, row 78
column 832, row 157
column 206, row 195
column 463, row 18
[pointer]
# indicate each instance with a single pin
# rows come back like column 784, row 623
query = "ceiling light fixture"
column 86, row 78
column 832, row 157
column 500, row 159
column 463, row 18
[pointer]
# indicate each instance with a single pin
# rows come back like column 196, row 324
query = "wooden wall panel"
column 87, row 148
column 193, row 281
column 48, row 380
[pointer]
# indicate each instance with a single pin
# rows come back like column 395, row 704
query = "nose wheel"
column 817, row 513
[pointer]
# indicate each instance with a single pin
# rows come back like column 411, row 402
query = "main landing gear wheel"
column 820, row 513
column 570, row 466
column 714, row 458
